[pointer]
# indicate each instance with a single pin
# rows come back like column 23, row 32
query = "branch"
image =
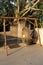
column 35, row 3
column 28, row 9
column 37, row 9
column 26, row 12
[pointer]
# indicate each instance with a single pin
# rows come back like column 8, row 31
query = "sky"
column 28, row 0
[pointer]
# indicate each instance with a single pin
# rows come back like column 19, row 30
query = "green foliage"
column 40, row 24
column 40, row 5
column 2, row 10
column 7, row 9
column 39, row 14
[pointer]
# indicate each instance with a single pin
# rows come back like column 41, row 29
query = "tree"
column 19, row 8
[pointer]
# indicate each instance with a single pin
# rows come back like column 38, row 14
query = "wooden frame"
column 25, row 18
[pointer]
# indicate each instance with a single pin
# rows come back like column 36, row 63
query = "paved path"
column 30, row 55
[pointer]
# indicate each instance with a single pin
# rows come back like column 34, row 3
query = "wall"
column 41, row 36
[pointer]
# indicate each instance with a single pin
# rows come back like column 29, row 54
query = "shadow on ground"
column 11, row 41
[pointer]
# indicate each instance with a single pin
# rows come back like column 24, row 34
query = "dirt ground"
column 28, row 55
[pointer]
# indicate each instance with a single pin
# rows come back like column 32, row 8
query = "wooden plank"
column 19, row 18
column 5, row 44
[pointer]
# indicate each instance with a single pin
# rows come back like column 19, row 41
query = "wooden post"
column 38, row 31
column 5, row 44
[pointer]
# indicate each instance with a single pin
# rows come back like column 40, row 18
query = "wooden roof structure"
column 23, row 12
column 25, row 18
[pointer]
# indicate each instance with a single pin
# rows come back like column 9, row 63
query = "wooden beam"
column 27, row 18
column 36, row 9
column 36, row 25
column 35, row 3
column 30, row 22
column 5, row 43
column 26, row 12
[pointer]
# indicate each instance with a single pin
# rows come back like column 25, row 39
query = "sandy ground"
column 28, row 55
